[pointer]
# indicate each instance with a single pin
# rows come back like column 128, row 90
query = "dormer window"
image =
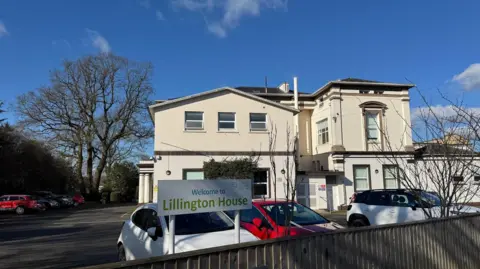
column 378, row 92
column 364, row 91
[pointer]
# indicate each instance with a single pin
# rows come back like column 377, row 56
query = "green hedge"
column 115, row 196
column 230, row 169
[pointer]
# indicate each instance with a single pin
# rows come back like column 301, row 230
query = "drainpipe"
column 295, row 118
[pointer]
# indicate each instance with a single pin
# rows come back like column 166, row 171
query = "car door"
column 153, row 246
column 246, row 218
column 4, row 203
column 378, row 208
column 13, row 202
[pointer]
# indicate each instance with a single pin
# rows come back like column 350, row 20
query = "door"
column 331, row 182
column 406, row 208
column 378, row 208
column 330, row 205
column 4, row 203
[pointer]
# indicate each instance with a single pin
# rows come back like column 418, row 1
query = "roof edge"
column 386, row 84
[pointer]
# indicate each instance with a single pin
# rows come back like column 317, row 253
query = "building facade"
column 348, row 132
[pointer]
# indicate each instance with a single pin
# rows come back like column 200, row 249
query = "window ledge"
column 228, row 131
column 258, row 131
column 194, row 131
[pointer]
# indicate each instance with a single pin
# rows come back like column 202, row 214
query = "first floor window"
column 390, row 177
column 193, row 174
column 322, row 132
column 193, row 120
column 226, row 121
column 258, row 121
column 372, row 125
column 260, row 184
column 361, row 177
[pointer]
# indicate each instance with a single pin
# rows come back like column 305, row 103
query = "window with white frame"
column 372, row 125
column 391, row 177
column 361, row 177
column 226, row 121
column 258, row 121
column 193, row 174
column 322, row 132
column 193, row 120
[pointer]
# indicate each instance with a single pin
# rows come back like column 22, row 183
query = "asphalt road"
column 64, row 238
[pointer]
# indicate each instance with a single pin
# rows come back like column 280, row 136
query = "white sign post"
column 179, row 197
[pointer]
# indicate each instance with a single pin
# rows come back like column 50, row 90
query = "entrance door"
column 331, row 183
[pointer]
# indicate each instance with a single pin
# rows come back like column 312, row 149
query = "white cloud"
column 470, row 77
column 159, row 15
column 441, row 112
column 98, row 41
column 232, row 11
column 3, row 30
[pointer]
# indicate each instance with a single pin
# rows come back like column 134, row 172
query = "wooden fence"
column 443, row 243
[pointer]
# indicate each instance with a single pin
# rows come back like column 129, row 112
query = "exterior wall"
column 395, row 121
column 176, row 164
column 305, row 140
column 170, row 134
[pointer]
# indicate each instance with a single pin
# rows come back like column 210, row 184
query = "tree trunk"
column 100, row 167
column 78, row 169
column 90, row 167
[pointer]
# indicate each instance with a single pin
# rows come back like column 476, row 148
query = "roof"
column 265, row 90
column 206, row 93
column 360, row 82
column 442, row 149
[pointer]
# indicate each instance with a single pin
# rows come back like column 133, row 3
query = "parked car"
column 64, row 200
column 378, row 207
column 45, row 198
column 19, row 203
column 143, row 235
column 78, row 199
column 267, row 219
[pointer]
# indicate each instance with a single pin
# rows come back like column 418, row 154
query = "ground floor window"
column 390, row 177
column 361, row 177
column 193, row 174
column 260, row 184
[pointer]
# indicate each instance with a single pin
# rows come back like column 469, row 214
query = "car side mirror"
column 155, row 232
column 257, row 222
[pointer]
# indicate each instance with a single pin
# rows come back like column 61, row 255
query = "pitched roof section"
column 359, row 80
column 264, row 91
column 202, row 94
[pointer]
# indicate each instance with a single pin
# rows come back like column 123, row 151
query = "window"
column 226, row 121
column 193, row 174
column 372, row 126
column 378, row 198
column 390, row 177
column 361, row 177
column 299, row 214
column 378, row 92
column 322, row 132
column 3, row 198
column 193, row 120
column 260, row 182
column 14, row 198
column 146, row 218
column 139, row 218
column 476, row 179
column 200, row 223
column 258, row 121
column 457, row 179
column 402, row 200
column 364, row 91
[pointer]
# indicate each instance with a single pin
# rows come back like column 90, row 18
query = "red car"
column 267, row 219
column 19, row 203
column 78, row 199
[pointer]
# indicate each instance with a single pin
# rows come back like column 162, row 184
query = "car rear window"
column 378, row 198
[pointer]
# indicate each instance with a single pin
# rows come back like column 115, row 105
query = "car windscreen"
column 301, row 215
column 201, row 223
column 430, row 198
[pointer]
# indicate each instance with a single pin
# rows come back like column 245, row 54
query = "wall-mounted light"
column 376, row 171
column 168, row 172
column 283, row 171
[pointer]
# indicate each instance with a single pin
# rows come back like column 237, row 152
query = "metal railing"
column 441, row 243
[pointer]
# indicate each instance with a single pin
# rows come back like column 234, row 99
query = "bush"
column 105, row 197
column 230, row 169
column 115, row 197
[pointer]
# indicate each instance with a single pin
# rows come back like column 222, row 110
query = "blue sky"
column 196, row 45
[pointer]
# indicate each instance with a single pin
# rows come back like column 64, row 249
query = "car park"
column 387, row 206
column 145, row 233
column 268, row 219
column 19, row 203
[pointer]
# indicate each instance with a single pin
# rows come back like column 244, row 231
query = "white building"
column 344, row 128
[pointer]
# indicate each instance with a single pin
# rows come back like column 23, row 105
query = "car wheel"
column 19, row 210
column 121, row 253
column 75, row 204
column 358, row 223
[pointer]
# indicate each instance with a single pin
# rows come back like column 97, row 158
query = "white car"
column 378, row 207
column 146, row 234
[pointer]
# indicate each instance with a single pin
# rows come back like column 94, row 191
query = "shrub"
column 230, row 169
column 115, row 197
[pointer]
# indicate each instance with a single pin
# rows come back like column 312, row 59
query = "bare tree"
column 289, row 168
column 96, row 106
column 1, row 112
column 444, row 161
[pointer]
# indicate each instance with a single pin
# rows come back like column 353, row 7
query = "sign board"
column 322, row 187
column 178, row 197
